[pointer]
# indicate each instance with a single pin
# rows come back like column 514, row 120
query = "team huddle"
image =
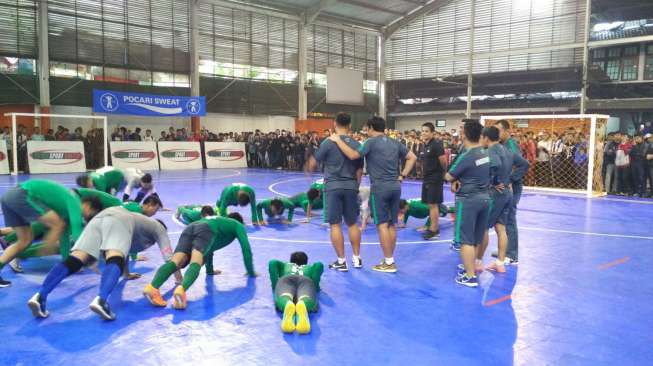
column 87, row 224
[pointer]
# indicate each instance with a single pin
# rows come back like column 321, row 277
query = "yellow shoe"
column 180, row 298
column 154, row 296
column 303, row 322
column 288, row 321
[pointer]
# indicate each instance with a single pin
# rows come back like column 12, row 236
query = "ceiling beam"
column 372, row 7
column 432, row 5
column 311, row 14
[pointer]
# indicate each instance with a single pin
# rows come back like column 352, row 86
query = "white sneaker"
column 102, row 309
column 15, row 265
column 37, row 306
column 357, row 263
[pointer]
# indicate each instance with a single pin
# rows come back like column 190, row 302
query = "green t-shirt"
column 66, row 204
column 229, row 197
column 266, row 205
column 224, row 231
column 279, row 269
column 108, row 181
column 108, row 200
column 416, row 209
column 318, row 203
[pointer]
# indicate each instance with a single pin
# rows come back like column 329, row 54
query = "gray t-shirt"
column 472, row 169
column 383, row 155
column 339, row 170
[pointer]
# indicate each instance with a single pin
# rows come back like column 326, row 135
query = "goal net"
column 54, row 143
column 565, row 152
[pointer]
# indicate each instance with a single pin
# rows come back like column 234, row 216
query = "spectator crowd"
column 559, row 158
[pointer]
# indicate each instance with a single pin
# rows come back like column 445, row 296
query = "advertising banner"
column 225, row 155
column 180, row 155
column 4, row 158
column 56, row 157
column 135, row 154
column 152, row 105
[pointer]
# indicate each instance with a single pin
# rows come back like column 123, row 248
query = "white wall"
column 214, row 122
column 415, row 122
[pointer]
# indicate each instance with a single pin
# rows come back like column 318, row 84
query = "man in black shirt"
column 434, row 166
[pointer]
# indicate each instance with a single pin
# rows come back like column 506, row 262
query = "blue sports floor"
column 581, row 295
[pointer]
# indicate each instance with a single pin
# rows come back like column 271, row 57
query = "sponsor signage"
column 135, row 154
column 225, row 155
column 180, row 155
column 113, row 102
column 56, row 157
column 4, row 158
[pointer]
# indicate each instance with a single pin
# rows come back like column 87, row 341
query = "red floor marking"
column 498, row 301
column 614, row 263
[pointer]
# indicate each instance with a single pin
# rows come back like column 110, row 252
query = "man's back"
column 382, row 155
column 339, row 171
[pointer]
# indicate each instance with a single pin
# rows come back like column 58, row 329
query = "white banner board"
column 225, row 155
column 4, row 158
column 180, row 155
column 56, row 157
column 135, row 154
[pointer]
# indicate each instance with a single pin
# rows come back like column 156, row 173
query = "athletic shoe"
column 454, row 246
column 467, row 281
column 154, row 296
column 37, row 306
column 4, row 283
column 357, row 263
column 101, row 308
column 495, row 254
column 15, row 266
column 428, row 235
column 342, row 267
column 384, row 267
column 303, row 322
column 180, row 298
column 288, row 321
column 511, row 262
column 478, row 268
column 494, row 267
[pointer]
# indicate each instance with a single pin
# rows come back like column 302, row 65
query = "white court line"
column 584, row 233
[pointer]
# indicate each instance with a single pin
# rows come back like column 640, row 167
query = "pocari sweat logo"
column 193, row 106
column 109, row 102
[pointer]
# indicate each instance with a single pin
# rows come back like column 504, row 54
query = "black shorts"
column 471, row 219
column 339, row 204
column 385, row 206
column 19, row 210
column 195, row 236
column 432, row 192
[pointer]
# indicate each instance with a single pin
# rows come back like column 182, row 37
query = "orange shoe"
column 495, row 267
column 180, row 298
column 154, row 296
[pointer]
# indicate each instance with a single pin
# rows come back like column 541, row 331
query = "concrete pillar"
column 43, row 65
column 194, row 62
column 302, row 99
column 381, row 76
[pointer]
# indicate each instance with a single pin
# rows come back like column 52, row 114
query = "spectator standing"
column 622, row 162
column 609, row 155
column 136, row 136
column 148, row 135
column 542, row 167
column 638, row 166
column 36, row 135
column 649, row 161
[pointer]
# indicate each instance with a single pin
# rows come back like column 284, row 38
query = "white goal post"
column 594, row 125
column 39, row 115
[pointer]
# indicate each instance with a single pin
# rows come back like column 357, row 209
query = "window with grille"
column 437, row 44
column 18, row 37
column 619, row 63
column 648, row 66
column 331, row 47
column 144, row 42
column 241, row 44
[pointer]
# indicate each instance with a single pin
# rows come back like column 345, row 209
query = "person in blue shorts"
column 341, row 181
column 470, row 180
column 382, row 156
column 502, row 161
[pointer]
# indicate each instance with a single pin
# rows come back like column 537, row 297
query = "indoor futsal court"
column 326, row 182
column 571, row 300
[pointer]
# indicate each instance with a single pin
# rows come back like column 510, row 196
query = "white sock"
column 342, row 260
column 390, row 260
column 355, row 258
column 499, row 262
column 479, row 262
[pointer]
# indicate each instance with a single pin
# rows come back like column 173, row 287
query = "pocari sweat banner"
column 109, row 101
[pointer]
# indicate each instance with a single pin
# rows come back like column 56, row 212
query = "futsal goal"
column 565, row 152
column 74, row 144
